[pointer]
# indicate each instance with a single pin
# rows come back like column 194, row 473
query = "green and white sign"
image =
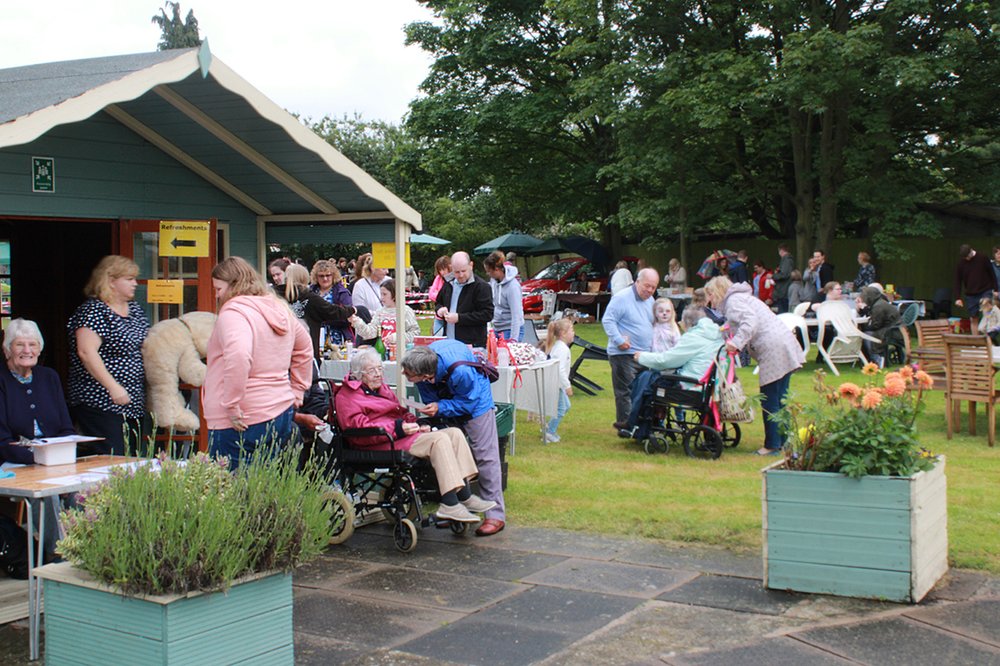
column 43, row 174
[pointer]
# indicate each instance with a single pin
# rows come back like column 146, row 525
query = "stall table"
column 597, row 299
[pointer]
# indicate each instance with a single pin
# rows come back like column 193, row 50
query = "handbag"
column 734, row 407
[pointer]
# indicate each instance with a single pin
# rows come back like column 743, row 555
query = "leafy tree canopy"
column 175, row 33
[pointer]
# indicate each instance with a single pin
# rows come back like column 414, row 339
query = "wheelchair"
column 392, row 482
column 670, row 412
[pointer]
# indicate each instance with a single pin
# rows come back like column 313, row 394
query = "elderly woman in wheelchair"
column 666, row 404
column 365, row 401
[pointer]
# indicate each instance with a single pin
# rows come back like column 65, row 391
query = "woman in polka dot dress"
column 107, row 393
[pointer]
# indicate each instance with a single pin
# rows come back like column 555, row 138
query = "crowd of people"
column 642, row 332
column 262, row 354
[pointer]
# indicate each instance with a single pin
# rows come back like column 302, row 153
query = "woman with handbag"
column 755, row 328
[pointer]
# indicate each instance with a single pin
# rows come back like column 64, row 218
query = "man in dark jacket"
column 465, row 303
column 783, row 277
column 738, row 268
column 975, row 275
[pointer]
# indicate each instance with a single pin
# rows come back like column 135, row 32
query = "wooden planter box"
column 87, row 622
column 875, row 537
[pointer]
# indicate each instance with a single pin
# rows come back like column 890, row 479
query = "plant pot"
column 88, row 622
column 881, row 537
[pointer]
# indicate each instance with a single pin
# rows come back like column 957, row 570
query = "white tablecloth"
column 538, row 393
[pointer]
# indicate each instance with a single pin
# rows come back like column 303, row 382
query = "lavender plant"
column 181, row 526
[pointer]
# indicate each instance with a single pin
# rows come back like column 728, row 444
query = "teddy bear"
column 173, row 353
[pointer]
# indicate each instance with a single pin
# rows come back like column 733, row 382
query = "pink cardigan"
column 259, row 362
column 357, row 409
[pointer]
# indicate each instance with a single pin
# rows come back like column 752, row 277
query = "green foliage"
column 175, row 33
column 176, row 527
column 670, row 117
column 518, row 104
column 857, row 430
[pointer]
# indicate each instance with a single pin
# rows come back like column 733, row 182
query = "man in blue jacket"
column 452, row 389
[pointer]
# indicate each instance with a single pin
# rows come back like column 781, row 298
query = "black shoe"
column 618, row 425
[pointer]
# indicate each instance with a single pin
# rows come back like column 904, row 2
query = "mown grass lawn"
column 595, row 482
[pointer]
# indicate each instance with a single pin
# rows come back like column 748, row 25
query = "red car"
column 558, row 276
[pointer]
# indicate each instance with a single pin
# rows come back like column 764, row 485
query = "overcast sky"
column 313, row 57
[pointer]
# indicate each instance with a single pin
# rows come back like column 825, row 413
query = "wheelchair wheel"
column 404, row 535
column 401, row 499
column 459, row 528
column 341, row 516
column 655, row 444
column 730, row 435
column 700, row 441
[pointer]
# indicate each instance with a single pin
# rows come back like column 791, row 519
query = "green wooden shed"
column 96, row 153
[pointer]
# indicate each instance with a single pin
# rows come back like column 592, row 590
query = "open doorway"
column 50, row 262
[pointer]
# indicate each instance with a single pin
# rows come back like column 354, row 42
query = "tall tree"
column 389, row 154
column 175, row 33
column 518, row 104
column 812, row 115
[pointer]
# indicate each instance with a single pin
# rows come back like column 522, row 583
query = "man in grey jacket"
column 782, row 277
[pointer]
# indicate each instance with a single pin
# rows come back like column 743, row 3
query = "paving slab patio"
column 899, row 641
column 731, row 593
column 773, row 652
column 558, row 598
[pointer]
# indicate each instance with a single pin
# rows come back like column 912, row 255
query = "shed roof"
column 193, row 107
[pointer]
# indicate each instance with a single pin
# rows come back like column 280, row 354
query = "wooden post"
column 402, row 237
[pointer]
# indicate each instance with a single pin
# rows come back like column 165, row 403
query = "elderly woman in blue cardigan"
column 31, row 396
column 31, row 405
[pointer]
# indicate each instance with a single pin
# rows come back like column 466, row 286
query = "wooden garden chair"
column 930, row 353
column 969, row 375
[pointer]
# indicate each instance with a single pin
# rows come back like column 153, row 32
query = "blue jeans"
column 774, row 400
column 240, row 446
column 642, row 390
column 561, row 410
column 506, row 335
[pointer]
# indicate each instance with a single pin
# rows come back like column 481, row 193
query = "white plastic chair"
column 797, row 325
column 801, row 309
column 846, row 345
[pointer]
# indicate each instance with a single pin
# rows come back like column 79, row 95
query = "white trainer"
column 458, row 513
column 552, row 438
column 477, row 504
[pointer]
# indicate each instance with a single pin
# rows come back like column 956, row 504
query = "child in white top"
column 665, row 330
column 557, row 341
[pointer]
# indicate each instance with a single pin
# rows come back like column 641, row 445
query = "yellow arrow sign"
column 184, row 238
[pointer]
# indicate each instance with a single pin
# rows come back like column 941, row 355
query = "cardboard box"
column 54, row 453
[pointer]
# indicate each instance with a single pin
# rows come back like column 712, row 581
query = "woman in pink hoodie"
column 259, row 365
